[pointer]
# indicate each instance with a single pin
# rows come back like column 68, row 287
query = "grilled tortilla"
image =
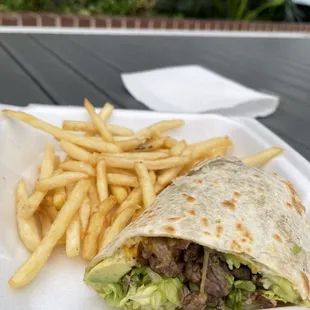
column 248, row 228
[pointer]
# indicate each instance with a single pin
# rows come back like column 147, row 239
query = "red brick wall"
column 99, row 21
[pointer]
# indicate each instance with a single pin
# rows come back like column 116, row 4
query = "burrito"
column 224, row 236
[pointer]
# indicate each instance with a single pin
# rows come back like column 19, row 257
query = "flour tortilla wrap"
column 230, row 208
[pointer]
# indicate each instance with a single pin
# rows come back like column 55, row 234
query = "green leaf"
column 296, row 249
column 268, row 4
column 241, row 10
column 234, row 299
column 245, row 285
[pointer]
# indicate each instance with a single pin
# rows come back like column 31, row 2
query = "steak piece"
column 194, row 253
column 218, row 282
column 242, row 273
column 264, row 302
column 192, row 272
column 160, row 256
column 194, row 301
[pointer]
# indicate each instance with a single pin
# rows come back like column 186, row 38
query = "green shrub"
column 219, row 9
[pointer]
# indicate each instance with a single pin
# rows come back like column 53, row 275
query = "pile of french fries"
column 108, row 177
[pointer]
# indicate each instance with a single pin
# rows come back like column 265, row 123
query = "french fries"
column 128, row 163
column 33, row 265
column 59, row 197
column 152, row 145
column 89, row 128
column 73, row 237
column 90, row 245
column 78, row 166
column 46, row 170
column 27, row 228
column 122, row 180
column 138, row 155
column 106, row 111
column 84, row 212
column 60, row 180
column 130, row 144
column 98, row 122
column 119, row 224
column 110, row 175
column 134, row 198
column 161, row 126
column 119, row 192
column 263, row 157
column 76, row 152
column 60, row 134
column 146, row 184
column 102, row 181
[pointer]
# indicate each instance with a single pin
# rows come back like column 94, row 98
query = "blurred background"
column 247, row 10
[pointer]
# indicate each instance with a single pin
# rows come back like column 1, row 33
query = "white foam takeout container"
column 59, row 284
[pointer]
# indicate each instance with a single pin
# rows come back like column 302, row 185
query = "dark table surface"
column 63, row 69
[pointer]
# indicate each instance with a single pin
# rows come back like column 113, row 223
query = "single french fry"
column 73, row 237
column 106, row 111
column 263, row 157
column 84, row 213
column 27, row 228
column 60, row 180
column 212, row 143
column 119, row 192
column 76, row 152
column 201, row 149
column 128, row 163
column 130, row 144
column 153, row 176
column 120, row 130
column 177, row 149
column 146, row 184
column 48, row 206
column 137, row 155
column 102, row 181
column 128, row 172
column 56, row 161
column 138, row 212
column 119, row 224
column 61, row 134
column 93, row 195
column 46, row 171
column 78, row 166
column 90, row 245
column 91, row 129
column 134, row 198
column 170, row 142
column 155, row 144
column 122, row 180
column 45, row 221
column 105, row 230
column 60, row 197
column 158, row 188
column 98, row 122
column 168, row 175
column 219, row 151
column 27, row 272
column 161, row 127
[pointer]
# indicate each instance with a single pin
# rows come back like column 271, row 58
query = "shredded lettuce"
column 142, row 289
column 245, row 285
column 282, row 289
column 234, row 299
column 232, row 261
